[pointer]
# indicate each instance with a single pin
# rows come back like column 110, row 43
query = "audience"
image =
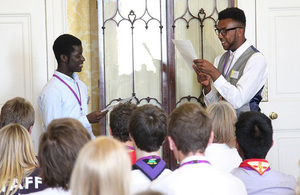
column 222, row 153
column 254, row 135
column 17, row 110
column 148, row 129
column 58, row 149
column 119, row 119
column 189, row 133
column 19, row 167
column 102, row 167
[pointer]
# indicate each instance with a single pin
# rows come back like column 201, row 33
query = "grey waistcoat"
column 239, row 67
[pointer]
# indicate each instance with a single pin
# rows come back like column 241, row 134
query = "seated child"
column 148, row 129
column 254, row 135
column 118, row 123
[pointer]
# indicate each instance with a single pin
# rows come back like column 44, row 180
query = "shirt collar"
column 237, row 53
column 66, row 77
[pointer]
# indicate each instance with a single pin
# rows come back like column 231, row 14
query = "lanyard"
column 223, row 72
column 149, row 157
column 194, row 162
column 130, row 147
column 78, row 100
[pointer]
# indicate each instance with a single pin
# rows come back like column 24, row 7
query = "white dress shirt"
column 57, row 101
column 198, row 178
column 254, row 77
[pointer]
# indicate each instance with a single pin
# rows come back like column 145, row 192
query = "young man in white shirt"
column 148, row 130
column 239, row 75
column 189, row 133
column 65, row 95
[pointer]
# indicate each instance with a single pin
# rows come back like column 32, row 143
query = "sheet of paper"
column 187, row 51
column 111, row 107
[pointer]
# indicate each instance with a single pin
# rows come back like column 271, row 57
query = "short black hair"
column 148, row 127
column 64, row 45
column 233, row 13
column 254, row 134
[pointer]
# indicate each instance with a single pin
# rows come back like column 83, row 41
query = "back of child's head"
column 102, row 167
column 148, row 127
column 17, row 110
column 254, row 134
column 58, row 150
column 223, row 117
column 119, row 119
column 190, row 128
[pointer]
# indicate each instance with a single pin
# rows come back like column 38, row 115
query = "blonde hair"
column 223, row 117
column 17, row 159
column 102, row 167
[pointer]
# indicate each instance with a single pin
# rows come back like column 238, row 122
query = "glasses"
column 224, row 31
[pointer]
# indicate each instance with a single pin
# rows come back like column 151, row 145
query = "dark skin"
column 74, row 63
column 231, row 41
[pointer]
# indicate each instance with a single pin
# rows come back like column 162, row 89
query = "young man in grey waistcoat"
column 238, row 75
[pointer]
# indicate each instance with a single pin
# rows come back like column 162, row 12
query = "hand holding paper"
column 111, row 107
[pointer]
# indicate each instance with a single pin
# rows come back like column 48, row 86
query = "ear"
column 272, row 144
column 211, row 138
column 64, row 58
column 240, row 151
column 240, row 31
column 131, row 138
column 237, row 145
column 30, row 129
column 172, row 144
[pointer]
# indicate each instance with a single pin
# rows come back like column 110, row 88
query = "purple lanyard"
column 130, row 147
column 149, row 157
column 194, row 162
column 78, row 100
column 223, row 72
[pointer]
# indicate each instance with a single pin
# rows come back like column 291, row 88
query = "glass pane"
column 133, row 50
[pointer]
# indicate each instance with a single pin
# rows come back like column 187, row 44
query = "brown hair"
column 190, row 128
column 119, row 120
column 58, row 150
column 17, row 110
column 148, row 127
